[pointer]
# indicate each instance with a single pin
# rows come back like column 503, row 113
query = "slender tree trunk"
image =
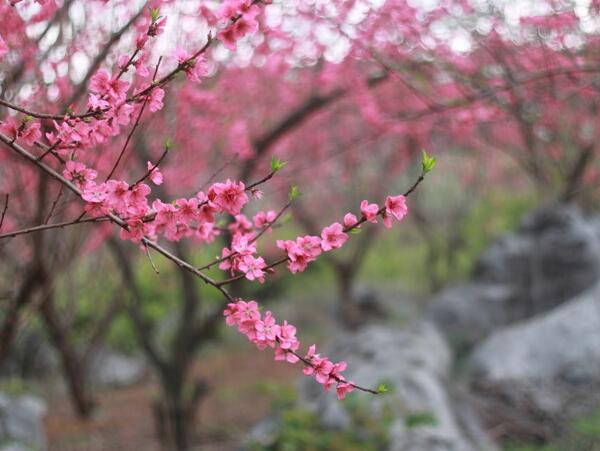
column 349, row 309
column 574, row 179
column 176, row 412
column 175, row 417
column 10, row 322
column 73, row 370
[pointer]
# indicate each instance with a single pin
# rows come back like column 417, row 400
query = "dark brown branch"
column 51, row 212
column 294, row 119
column 4, row 210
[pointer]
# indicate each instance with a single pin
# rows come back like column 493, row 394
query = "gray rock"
column 112, row 368
column 553, row 256
column 549, row 364
column 468, row 312
column 506, row 260
column 416, row 362
column 264, row 432
column 566, row 260
column 21, row 422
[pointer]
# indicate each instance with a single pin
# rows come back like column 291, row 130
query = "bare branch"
column 4, row 210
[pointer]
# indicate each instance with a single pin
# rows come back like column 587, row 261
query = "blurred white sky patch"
column 184, row 28
column 455, row 32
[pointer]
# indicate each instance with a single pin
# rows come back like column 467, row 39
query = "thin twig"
column 51, row 212
column 268, row 177
column 218, row 171
column 150, row 259
column 58, row 225
column 336, row 378
column 4, row 210
column 152, row 168
column 135, row 126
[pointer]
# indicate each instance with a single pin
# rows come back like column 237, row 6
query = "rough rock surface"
column 112, row 368
column 550, row 362
column 21, row 422
column 553, row 256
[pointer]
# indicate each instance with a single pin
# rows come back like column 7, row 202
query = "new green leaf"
column 294, row 193
column 277, row 164
column 428, row 162
column 154, row 14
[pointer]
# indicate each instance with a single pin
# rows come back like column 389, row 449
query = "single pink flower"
column 267, row 330
column 118, row 194
column 369, row 211
column 248, row 310
column 298, row 261
column 349, row 220
column 136, row 230
column 139, row 193
column 283, row 354
column 343, row 388
column 187, row 209
column 253, row 267
column 309, row 245
column 396, row 206
column 228, row 37
column 287, row 336
column 155, row 175
column 333, row 237
column 226, row 263
column 94, row 193
column 100, row 82
column 262, row 218
column 95, row 102
column 31, row 133
column 322, row 370
column 229, row 196
column 156, row 99
column 230, row 313
column 9, row 128
column 79, row 173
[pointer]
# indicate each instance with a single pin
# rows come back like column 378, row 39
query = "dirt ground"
column 123, row 420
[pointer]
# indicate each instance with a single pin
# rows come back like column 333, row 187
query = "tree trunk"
column 73, row 371
column 176, row 411
column 574, row 180
column 10, row 322
column 349, row 309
